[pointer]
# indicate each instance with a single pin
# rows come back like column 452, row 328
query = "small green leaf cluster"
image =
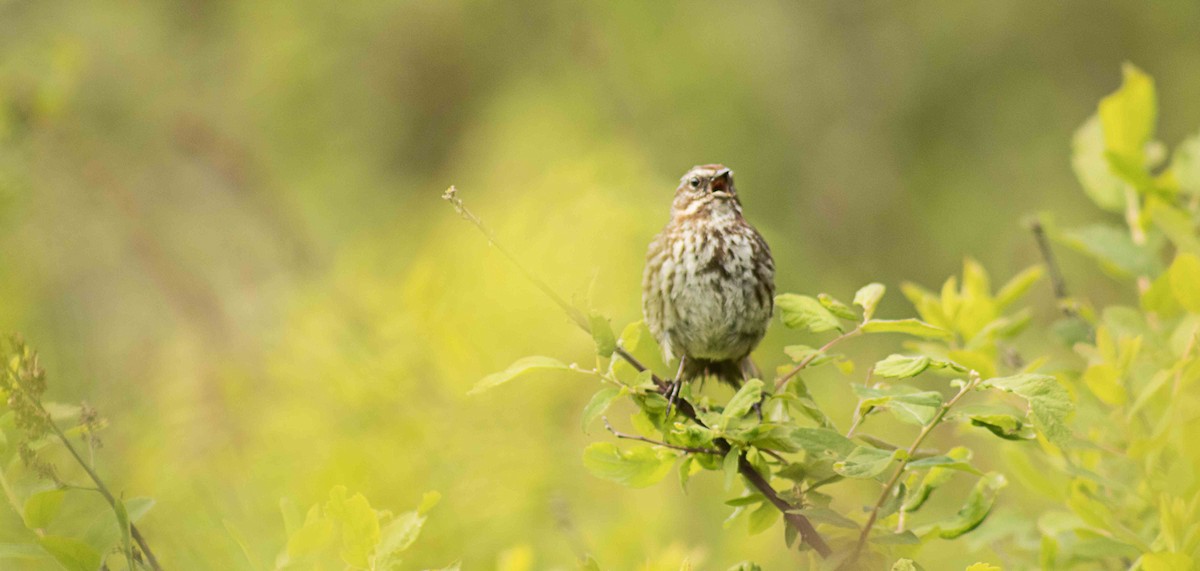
column 347, row 531
column 98, row 529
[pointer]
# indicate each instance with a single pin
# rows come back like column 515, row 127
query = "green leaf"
column 836, row 307
column 894, row 499
column 945, row 462
column 1098, row 514
column 906, row 403
column 1186, row 165
column 866, row 462
column 822, row 440
column 868, row 298
column 1091, row 167
column 797, row 396
column 602, row 334
column 637, row 467
column 1104, row 380
column 1005, row 426
column 975, row 509
column 637, row 340
column 1159, row 298
column 312, row 537
column 687, row 468
column 1049, row 402
column 827, row 517
column 911, row 326
column 360, row 529
column 742, row 401
column 1184, row 276
column 520, row 367
column 983, row 567
column 429, row 500
column 42, row 507
column 935, row 478
column 763, row 518
column 1112, row 247
column 123, row 524
column 747, row 500
column 599, row 403
column 773, row 437
column 1127, row 116
column 1176, row 223
column 798, row 353
column 804, row 312
column 1018, row 286
column 138, row 507
column 71, row 553
column 397, row 536
column 902, row 366
column 730, row 466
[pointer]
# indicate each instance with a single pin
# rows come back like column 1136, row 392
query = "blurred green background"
column 220, row 223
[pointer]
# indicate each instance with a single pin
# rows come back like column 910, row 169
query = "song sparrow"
column 709, row 284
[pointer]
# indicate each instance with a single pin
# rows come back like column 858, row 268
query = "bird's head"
column 708, row 189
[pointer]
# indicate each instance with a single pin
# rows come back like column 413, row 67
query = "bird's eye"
column 694, row 182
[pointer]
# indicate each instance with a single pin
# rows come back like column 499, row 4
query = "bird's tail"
column 730, row 372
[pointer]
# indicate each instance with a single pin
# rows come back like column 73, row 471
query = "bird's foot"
column 672, row 395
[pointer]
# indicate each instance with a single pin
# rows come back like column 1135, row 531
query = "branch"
column 451, row 196
column 1056, row 276
column 808, row 533
column 103, row 490
column 782, row 381
column 887, row 488
column 688, row 449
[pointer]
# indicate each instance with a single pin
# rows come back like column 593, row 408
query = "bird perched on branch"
column 709, row 285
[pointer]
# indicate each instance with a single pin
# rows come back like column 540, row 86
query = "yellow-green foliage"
column 219, row 226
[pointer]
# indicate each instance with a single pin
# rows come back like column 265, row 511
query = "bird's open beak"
column 721, row 182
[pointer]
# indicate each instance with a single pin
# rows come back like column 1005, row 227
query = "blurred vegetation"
column 220, row 225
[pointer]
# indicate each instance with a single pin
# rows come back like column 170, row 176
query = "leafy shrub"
column 1098, row 425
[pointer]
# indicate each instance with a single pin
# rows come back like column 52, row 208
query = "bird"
column 708, row 287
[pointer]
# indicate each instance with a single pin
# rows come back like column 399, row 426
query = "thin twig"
column 887, row 488
column 859, row 414
column 782, row 381
column 808, row 533
column 688, row 449
column 103, row 490
column 1056, row 277
column 451, row 196
column 774, row 455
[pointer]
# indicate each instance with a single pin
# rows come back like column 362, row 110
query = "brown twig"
column 1056, row 277
column 688, row 449
column 782, row 381
column 887, row 488
column 808, row 533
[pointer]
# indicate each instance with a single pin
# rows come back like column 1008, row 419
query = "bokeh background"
column 220, row 223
